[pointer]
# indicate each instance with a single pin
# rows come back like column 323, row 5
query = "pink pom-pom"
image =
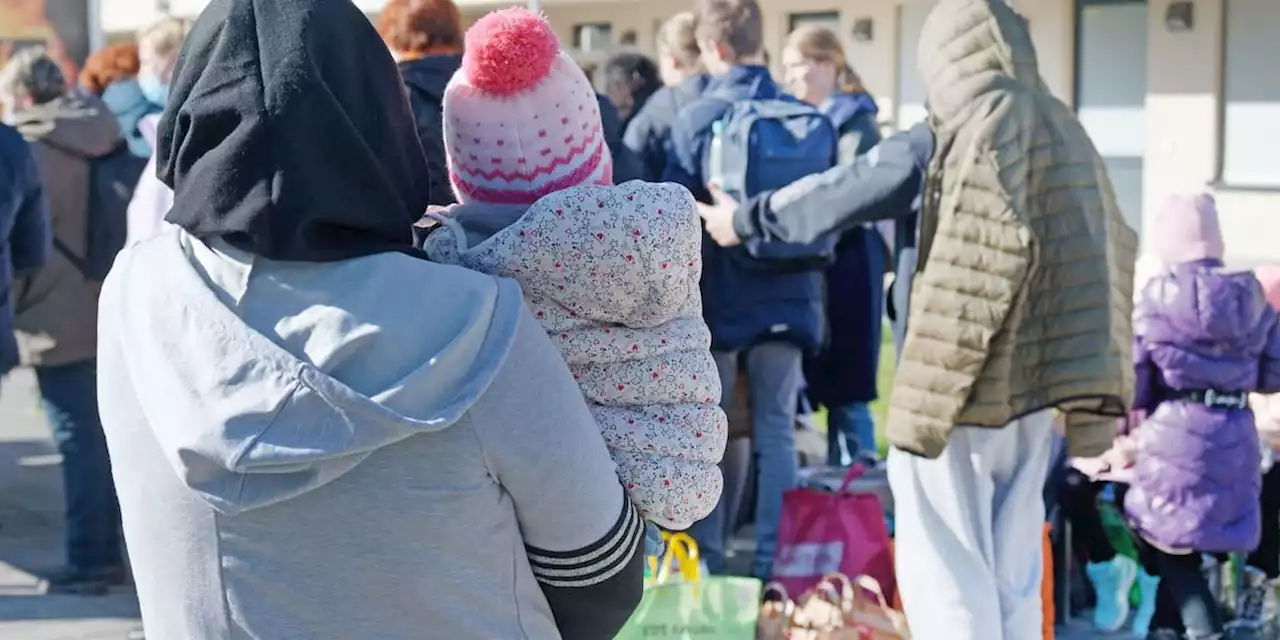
column 508, row 51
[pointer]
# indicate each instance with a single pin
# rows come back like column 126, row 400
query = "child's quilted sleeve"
column 644, row 362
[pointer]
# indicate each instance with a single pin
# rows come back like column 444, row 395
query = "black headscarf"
column 288, row 133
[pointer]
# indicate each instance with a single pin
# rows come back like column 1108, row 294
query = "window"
column 593, row 38
column 911, row 17
column 829, row 19
column 1251, row 94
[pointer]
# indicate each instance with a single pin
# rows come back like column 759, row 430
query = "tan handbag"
column 835, row 609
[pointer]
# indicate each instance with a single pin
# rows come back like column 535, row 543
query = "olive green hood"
column 970, row 48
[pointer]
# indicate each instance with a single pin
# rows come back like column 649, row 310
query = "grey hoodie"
column 381, row 447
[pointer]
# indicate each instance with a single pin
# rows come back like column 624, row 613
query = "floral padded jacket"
column 612, row 274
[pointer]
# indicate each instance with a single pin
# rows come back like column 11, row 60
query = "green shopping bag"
column 681, row 602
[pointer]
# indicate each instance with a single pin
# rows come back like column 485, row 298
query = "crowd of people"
column 424, row 331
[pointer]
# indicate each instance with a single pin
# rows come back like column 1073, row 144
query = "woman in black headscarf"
column 315, row 432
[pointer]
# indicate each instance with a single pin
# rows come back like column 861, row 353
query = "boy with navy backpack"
column 762, row 301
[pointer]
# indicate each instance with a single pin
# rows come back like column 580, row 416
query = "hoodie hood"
column 844, row 107
column 287, row 144
column 430, row 75
column 77, row 124
column 1202, row 307
column 969, row 48
column 127, row 102
column 269, row 380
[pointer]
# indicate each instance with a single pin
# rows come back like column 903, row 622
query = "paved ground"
column 31, row 535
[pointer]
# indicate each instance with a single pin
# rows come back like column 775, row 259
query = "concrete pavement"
column 31, row 534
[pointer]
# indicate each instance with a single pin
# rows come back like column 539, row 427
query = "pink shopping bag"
column 822, row 533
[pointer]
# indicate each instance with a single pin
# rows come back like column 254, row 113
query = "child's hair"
column 735, row 24
column 676, row 38
column 816, row 42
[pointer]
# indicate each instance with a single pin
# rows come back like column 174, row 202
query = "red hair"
column 109, row 66
column 416, row 28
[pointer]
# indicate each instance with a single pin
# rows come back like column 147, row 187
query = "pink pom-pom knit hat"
column 1186, row 230
column 520, row 118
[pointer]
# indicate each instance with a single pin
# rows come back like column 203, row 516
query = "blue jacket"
column 25, row 239
column 126, row 102
column 742, row 306
column 845, row 371
column 648, row 134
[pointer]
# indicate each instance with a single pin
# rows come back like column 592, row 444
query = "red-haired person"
column 425, row 37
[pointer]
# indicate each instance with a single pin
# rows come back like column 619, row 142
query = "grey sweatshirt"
column 377, row 448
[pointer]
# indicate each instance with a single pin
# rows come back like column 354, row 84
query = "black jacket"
column 626, row 166
column 426, row 79
column 845, row 371
column 25, row 236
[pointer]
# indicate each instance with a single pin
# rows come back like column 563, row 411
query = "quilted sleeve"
column 982, row 251
column 642, row 354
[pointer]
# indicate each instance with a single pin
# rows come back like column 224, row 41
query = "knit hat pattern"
column 521, row 120
column 1186, row 230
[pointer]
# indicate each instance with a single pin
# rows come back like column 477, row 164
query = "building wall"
column 1184, row 125
column 1184, row 101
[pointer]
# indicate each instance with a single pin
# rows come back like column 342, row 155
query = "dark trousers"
column 70, row 398
column 1267, row 556
column 1078, row 499
column 1184, row 602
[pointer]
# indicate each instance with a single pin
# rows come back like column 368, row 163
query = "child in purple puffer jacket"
column 1204, row 337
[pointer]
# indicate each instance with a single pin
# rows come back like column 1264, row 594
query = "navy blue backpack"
column 766, row 144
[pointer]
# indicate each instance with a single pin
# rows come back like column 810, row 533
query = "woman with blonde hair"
column 158, row 46
column 843, row 376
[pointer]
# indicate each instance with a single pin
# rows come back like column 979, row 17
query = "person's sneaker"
column 1112, row 581
column 84, row 582
column 868, row 459
column 1147, row 587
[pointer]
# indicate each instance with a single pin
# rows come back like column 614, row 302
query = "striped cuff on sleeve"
column 594, row 563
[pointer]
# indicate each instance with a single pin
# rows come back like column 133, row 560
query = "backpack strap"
column 61, row 247
column 76, row 261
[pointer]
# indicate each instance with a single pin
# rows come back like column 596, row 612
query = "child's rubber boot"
column 1112, row 581
column 1147, row 587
